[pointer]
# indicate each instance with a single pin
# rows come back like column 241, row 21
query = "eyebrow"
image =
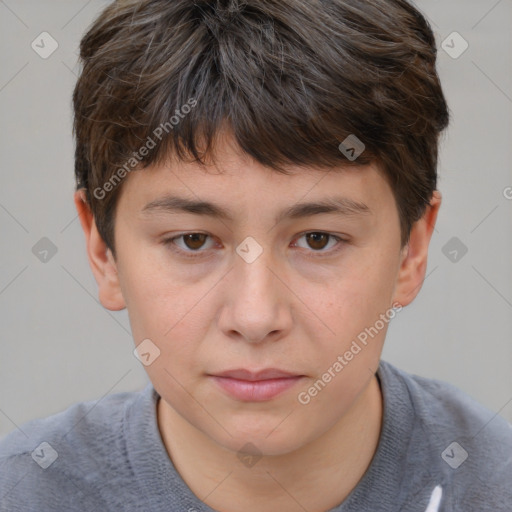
column 337, row 205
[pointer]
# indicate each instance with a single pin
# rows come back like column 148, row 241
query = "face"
column 283, row 273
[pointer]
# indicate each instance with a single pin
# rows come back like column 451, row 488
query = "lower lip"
column 255, row 391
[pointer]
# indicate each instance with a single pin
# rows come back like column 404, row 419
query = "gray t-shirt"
column 439, row 451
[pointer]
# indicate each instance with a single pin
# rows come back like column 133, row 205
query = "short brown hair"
column 292, row 78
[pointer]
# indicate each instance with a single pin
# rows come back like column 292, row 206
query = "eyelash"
column 194, row 254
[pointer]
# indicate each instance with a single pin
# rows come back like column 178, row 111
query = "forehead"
column 238, row 181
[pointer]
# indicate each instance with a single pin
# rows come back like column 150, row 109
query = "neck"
column 316, row 477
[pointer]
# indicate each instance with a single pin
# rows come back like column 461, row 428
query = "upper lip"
column 266, row 374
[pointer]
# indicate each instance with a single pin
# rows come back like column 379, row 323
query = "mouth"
column 258, row 386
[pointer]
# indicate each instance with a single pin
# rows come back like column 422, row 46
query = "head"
column 202, row 129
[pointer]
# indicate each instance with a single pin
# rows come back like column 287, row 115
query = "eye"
column 318, row 240
column 192, row 242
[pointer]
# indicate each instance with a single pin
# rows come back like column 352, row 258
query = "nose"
column 256, row 306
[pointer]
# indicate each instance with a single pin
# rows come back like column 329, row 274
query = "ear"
column 101, row 260
column 413, row 264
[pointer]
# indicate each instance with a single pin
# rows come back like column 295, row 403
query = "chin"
column 257, row 443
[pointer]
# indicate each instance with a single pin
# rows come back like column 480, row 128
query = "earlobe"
column 414, row 255
column 100, row 257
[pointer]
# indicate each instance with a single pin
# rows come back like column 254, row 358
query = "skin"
column 290, row 309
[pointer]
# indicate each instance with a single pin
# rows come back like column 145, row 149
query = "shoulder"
column 61, row 459
column 467, row 442
column 444, row 407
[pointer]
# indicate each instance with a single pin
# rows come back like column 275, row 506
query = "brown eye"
column 190, row 244
column 320, row 243
column 317, row 241
column 194, row 241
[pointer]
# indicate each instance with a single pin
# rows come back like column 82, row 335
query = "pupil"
column 316, row 237
column 194, row 238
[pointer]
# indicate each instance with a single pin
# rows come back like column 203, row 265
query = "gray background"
column 60, row 346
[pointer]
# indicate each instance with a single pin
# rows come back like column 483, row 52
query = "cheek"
column 351, row 308
column 161, row 307
column 371, row 282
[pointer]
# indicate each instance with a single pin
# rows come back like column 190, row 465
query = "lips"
column 266, row 374
column 255, row 386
